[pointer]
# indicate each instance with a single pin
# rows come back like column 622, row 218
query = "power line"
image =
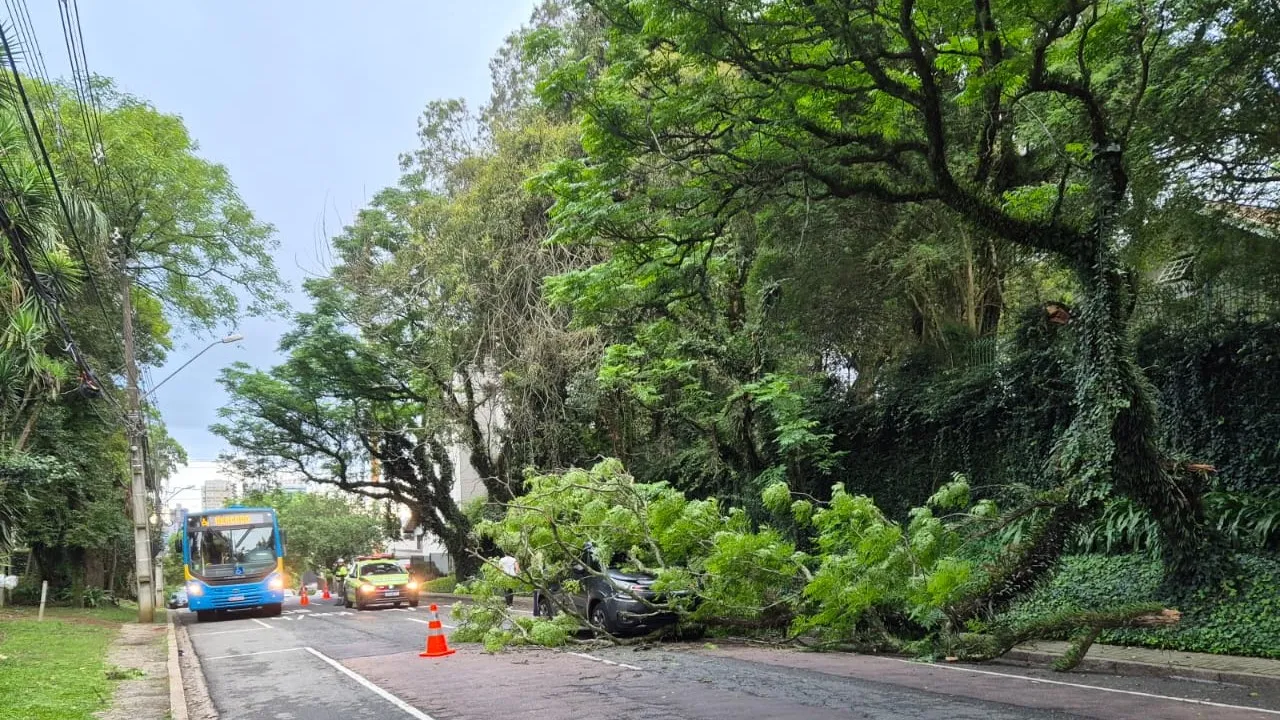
column 27, row 36
column 53, row 175
column 83, row 91
column 19, row 242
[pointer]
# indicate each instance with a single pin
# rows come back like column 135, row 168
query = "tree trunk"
column 1112, row 442
column 28, row 427
column 465, row 562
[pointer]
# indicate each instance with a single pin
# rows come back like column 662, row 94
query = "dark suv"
column 610, row 598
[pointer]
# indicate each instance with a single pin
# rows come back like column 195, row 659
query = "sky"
column 307, row 104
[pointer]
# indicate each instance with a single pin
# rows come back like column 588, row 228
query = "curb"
column 196, row 703
column 177, row 692
column 1132, row 668
column 431, row 597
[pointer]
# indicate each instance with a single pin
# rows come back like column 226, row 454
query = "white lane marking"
column 1086, row 687
column 606, row 662
column 227, row 632
column 428, row 622
column 262, row 652
column 260, row 623
column 410, row 710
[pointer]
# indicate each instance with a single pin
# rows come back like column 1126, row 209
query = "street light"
column 236, row 337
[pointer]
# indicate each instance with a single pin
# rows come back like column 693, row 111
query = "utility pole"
column 137, row 456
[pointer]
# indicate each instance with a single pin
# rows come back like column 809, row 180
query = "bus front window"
column 239, row 552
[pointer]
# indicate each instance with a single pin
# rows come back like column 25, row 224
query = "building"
column 217, row 493
column 467, row 484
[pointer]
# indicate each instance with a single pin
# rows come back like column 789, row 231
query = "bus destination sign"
column 230, row 520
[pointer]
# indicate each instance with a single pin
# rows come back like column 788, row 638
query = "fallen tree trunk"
column 1083, row 626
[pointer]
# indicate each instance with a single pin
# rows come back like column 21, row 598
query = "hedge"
column 444, row 584
column 1241, row 616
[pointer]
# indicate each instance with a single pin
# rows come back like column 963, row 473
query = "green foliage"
column 753, row 249
column 1240, row 616
column 870, row 564
column 196, row 250
column 1219, row 381
column 321, row 528
column 445, row 584
column 710, row 563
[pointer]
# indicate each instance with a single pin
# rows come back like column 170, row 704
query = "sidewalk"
column 140, row 656
column 1114, row 659
column 522, row 602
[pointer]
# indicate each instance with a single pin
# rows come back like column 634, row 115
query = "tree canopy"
column 828, row 253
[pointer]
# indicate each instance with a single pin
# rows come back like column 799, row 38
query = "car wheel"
column 600, row 618
column 546, row 608
column 273, row 610
column 204, row 615
column 346, row 602
column 413, row 603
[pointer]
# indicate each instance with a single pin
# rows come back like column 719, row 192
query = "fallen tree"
column 928, row 587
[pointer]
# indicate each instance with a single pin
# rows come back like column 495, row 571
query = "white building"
column 217, row 493
column 468, row 484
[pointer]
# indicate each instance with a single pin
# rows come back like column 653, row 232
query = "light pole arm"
column 223, row 341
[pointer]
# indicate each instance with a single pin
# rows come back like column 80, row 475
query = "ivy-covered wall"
column 1218, row 384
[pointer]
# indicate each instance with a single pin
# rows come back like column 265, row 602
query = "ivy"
column 1239, row 615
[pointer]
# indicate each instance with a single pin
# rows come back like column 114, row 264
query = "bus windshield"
column 237, row 552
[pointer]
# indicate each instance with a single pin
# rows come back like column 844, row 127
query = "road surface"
column 323, row 662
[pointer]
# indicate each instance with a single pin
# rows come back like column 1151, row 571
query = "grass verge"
column 56, row 669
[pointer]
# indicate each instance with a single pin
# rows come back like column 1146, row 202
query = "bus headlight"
column 366, row 588
column 275, row 582
column 195, row 588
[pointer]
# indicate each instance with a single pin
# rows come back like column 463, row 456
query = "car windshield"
column 233, row 552
column 380, row 568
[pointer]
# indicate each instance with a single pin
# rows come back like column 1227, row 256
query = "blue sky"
column 308, row 105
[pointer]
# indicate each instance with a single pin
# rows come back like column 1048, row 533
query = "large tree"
column 178, row 224
column 1054, row 127
column 337, row 404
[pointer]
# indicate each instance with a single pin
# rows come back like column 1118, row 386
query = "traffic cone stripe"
column 437, row 645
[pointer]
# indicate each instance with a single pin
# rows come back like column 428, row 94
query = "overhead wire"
column 31, row 130
column 82, row 83
column 34, row 132
column 21, row 17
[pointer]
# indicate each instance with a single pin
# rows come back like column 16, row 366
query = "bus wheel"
column 204, row 615
column 272, row 610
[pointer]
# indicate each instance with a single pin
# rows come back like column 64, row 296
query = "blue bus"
column 233, row 559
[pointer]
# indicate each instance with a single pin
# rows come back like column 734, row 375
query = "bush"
column 444, row 584
column 1239, row 617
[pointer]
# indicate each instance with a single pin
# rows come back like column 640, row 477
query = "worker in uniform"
column 340, row 572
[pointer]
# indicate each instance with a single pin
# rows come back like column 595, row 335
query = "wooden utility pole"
column 137, row 455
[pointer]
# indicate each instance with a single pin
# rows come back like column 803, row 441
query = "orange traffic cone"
column 437, row 646
column 302, row 593
column 325, row 596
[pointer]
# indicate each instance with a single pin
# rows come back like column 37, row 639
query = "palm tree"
column 31, row 377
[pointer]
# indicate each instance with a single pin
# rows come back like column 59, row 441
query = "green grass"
column 56, row 669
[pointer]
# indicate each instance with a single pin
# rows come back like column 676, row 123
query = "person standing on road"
column 511, row 567
column 340, row 572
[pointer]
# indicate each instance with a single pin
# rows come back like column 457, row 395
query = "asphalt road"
column 323, row 662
